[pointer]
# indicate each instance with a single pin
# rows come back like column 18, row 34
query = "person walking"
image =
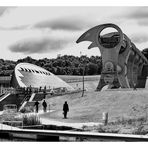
column 44, row 104
column 36, row 106
column 134, row 88
column 65, row 109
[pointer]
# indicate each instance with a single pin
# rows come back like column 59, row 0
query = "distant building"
column 5, row 83
column 26, row 75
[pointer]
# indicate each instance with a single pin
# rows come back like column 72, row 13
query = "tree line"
column 62, row 65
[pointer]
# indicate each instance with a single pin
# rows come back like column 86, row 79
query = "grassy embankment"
column 126, row 109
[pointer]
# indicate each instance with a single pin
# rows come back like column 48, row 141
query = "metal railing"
column 10, row 124
column 92, row 135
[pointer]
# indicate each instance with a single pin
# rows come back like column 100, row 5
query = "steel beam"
column 121, row 60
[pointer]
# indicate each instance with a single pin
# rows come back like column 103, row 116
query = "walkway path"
column 58, row 123
column 74, row 125
column 48, row 121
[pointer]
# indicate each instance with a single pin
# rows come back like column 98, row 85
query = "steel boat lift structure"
column 123, row 64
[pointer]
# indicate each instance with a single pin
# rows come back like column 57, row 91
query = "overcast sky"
column 44, row 32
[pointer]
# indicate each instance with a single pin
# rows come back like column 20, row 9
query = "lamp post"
column 83, row 82
column 83, row 75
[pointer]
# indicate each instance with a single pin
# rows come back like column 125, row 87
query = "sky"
column 45, row 32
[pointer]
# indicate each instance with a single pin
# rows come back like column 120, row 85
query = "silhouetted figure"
column 65, row 109
column 135, row 87
column 40, row 89
column 30, row 89
column 44, row 89
column 44, row 106
column 36, row 104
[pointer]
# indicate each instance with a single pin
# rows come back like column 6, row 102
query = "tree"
column 92, row 68
column 63, row 65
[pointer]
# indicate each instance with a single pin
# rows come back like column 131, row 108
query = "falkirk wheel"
column 123, row 65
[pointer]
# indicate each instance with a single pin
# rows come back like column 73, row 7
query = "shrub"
column 129, row 121
column 31, row 119
column 27, row 109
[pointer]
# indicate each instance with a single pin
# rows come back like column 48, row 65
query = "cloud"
column 3, row 10
column 40, row 45
column 21, row 27
column 139, row 38
column 139, row 14
column 69, row 24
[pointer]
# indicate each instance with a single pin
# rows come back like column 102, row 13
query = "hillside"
column 118, row 103
column 90, row 82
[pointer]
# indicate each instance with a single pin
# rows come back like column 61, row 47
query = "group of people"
column 44, row 104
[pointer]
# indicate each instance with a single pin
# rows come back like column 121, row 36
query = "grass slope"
column 117, row 103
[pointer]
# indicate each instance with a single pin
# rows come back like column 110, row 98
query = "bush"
column 32, row 119
column 27, row 109
column 129, row 121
